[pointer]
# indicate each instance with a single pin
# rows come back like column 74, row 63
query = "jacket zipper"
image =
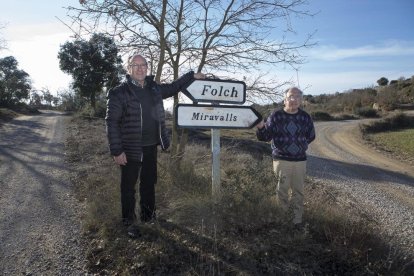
column 142, row 127
column 159, row 126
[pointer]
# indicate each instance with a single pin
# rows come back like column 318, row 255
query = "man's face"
column 138, row 69
column 293, row 100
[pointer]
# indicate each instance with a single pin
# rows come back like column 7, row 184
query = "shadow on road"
column 333, row 170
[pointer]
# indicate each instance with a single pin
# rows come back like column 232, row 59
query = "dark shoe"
column 299, row 227
column 126, row 222
column 133, row 231
column 145, row 218
column 152, row 219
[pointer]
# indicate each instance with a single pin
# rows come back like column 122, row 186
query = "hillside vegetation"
column 355, row 103
column 399, row 94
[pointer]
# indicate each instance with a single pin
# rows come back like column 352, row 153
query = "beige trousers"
column 290, row 175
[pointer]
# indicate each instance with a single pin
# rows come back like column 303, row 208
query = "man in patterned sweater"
column 290, row 130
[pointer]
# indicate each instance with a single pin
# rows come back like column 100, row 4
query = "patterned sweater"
column 290, row 134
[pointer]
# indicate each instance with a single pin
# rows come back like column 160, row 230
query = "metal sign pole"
column 215, row 149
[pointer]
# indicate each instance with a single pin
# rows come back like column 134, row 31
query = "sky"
column 357, row 42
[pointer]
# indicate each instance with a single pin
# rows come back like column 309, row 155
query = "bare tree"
column 222, row 37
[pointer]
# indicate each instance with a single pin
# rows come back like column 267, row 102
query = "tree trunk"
column 175, row 135
column 93, row 101
column 179, row 139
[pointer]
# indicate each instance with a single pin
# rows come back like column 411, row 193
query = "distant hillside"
column 365, row 102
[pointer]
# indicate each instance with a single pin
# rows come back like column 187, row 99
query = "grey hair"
column 136, row 55
column 293, row 88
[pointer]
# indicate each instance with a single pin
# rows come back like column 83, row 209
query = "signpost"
column 216, row 91
column 216, row 116
column 210, row 116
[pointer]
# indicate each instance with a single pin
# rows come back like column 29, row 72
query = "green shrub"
column 393, row 122
column 366, row 112
column 342, row 117
column 100, row 109
column 321, row 116
column 88, row 111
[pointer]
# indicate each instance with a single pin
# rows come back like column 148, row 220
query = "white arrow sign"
column 209, row 116
column 216, row 91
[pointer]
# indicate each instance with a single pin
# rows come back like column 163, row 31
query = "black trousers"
column 147, row 172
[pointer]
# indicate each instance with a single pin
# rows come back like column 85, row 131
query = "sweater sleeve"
column 265, row 133
column 311, row 132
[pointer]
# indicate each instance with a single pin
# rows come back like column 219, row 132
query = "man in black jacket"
column 135, row 124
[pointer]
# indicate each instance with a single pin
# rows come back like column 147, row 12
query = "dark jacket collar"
column 149, row 80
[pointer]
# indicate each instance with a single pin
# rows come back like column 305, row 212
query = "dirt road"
column 39, row 217
column 380, row 186
column 342, row 141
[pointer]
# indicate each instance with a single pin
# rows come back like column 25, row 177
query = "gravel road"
column 381, row 187
column 40, row 231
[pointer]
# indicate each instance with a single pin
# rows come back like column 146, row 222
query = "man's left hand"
column 199, row 76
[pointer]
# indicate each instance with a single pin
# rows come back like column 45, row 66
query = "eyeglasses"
column 138, row 66
column 293, row 98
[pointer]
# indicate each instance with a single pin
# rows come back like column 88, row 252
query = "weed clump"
column 394, row 121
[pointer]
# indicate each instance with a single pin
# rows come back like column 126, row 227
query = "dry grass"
column 400, row 142
column 7, row 114
column 241, row 233
column 392, row 135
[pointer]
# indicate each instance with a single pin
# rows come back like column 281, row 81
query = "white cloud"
column 323, row 83
column 22, row 32
column 36, row 48
column 331, row 82
column 332, row 53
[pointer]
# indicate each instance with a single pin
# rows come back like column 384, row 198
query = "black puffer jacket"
column 124, row 118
